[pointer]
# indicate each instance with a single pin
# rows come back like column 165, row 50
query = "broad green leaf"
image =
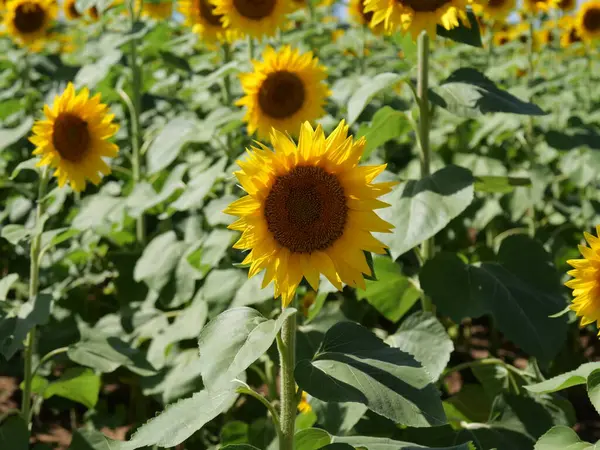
column 89, row 439
column 593, row 388
column 14, row 434
column 471, row 404
column 520, row 291
column 502, row 185
column 199, row 187
column 387, row 124
column 6, row 284
column 377, row 443
column 367, row 91
column 158, row 261
column 175, row 61
column 470, row 35
column 581, row 375
column 353, row 365
column 234, row 432
column 221, row 285
column 211, row 252
column 251, row 292
column 423, row 336
column 249, row 336
column 311, row 439
column 408, row 46
column 562, row 438
column 15, row 233
column 166, row 146
column 421, row 208
column 78, row 384
column 8, row 136
column 30, row 164
column 106, row 353
column 98, row 210
column 92, row 74
column 469, row 93
column 182, row 419
column 13, row 330
column 392, row 294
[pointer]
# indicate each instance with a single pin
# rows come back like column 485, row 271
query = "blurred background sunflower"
column 70, row 10
column 494, row 10
column 156, row 9
column 27, row 21
column 256, row 18
column 588, row 20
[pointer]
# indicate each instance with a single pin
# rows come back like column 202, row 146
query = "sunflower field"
column 299, row 224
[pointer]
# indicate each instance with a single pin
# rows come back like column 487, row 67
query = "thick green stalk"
column 286, row 342
column 34, row 283
column 136, row 137
column 251, row 48
column 428, row 247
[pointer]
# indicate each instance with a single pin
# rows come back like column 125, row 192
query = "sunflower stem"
column 34, row 282
column 136, row 86
column 251, row 48
column 428, row 247
column 226, row 78
column 286, row 343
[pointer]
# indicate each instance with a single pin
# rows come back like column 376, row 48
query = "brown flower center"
column 423, row 5
column 496, row 3
column 574, row 36
column 207, row 13
column 591, row 19
column 73, row 10
column 281, row 95
column 306, row 209
column 367, row 16
column 254, row 9
column 29, row 17
column 71, row 137
column 565, row 4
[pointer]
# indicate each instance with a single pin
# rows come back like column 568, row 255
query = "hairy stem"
column 286, row 342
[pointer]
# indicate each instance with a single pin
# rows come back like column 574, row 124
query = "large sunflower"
column 256, row 18
column 417, row 15
column 586, row 281
column 201, row 16
column 286, row 89
column 29, row 20
column 493, row 10
column 73, row 139
column 161, row 9
column 70, row 10
column 588, row 20
column 356, row 10
column 309, row 210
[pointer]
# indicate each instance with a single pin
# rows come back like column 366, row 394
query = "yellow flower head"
column 304, row 406
column 417, row 15
column 309, row 210
column 586, row 281
column 565, row 5
column 94, row 13
column 522, row 34
column 73, row 138
column 256, row 18
column 569, row 32
column 156, row 9
column 29, row 20
column 70, row 10
column 537, row 6
column 356, row 10
column 548, row 35
column 588, row 20
column 201, row 16
column 493, row 10
column 501, row 38
column 286, row 89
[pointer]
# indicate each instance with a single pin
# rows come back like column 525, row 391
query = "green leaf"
column 14, row 434
column 8, row 136
column 387, row 124
column 421, row 208
column 469, row 93
column 562, row 438
column 377, row 443
column 502, row 185
column 234, row 432
column 565, row 380
column 211, row 252
column 470, row 35
column 240, row 447
column 158, row 261
column 6, row 284
column 182, row 419
column 470, row 404
column 13, row 330
column 408, row 46
column 89, row 439
column 175, row 61
column 92, row 74
column 249, row 336
column 29, row 164
column 200, row 185
column 166, row 146
column 393, row 294
column 520, row 291
column 353, row 365
column 311, row 439
column 338, row 446
column 337, row 418
column 367, row 91
column 106, row 353
column 78, row 384
column 15, row 233
column 251, row 292
column 423, row 336
column 593, row 388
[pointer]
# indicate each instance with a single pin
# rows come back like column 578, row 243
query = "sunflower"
column 501, row 38
column 586, row 280
column 29, row 20
column 356, row 10
column 73, row 138
column 522, row 34
column 536, row 6
column 284, row 90
column 309, row 210
column 547, row 35
column 160, row 10
column 417, row 15
column 570, row 32
column 256, row 18
column 588, row 20
column 565, row 5
column 493, row 10
column 94, row 13
column 303, row 406
column 200, row 15
column 70, row 10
